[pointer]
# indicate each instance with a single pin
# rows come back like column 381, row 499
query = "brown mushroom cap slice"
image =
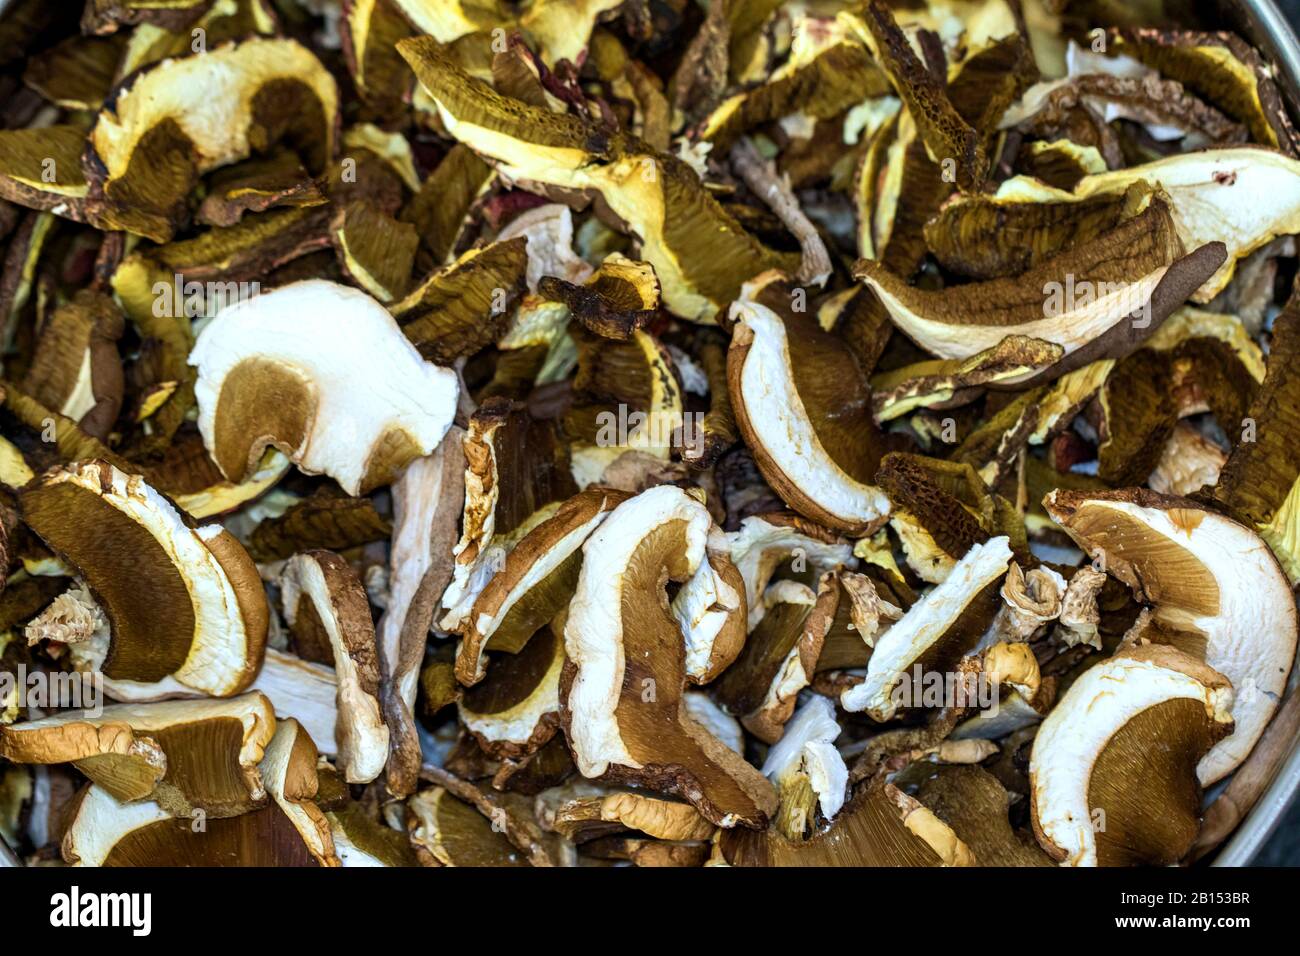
column 193, row 114
column 517, row 709
column 804, row 409
column 323, row 596
column 619, row 297
column 948, row 619
column 25, row 157
column 76, row 370
column 516, row 473
column 283, row 369
column 183, row 754
column 535, row 582
column 879, row 826
column 624, row 710
column 1243, row 196
column 184, row 604
column 290, row 831
column 1212, row 582
column 1081, row 299
column 1113, row 769
column 446, row 831
column 972, row 801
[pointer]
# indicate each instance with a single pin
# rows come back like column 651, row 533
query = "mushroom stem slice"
column 1113, row 769
column 625, row 714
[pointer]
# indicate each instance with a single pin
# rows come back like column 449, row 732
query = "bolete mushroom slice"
column 516, row 709
column 656, row 195
column 516, row 473
column 587, row 818
column 948, row 383
column 289, row 831
column 710, row 607
column 807, row 769
column 618, row 298
column 1221, row 67
column 192, row 114
column 325, row 601
column 625, row 717
column 1084, row 299
column 879, row 826
column 1216, row 590
column 184, row 755
column 944, row 623
column 778, row 659
column 302, row 691
column 1209, row 194
column 765, row 542
column 427, row 503
column 536, row 581
column 1113, row 770
column 185, row 605
column 804, row 409
column 255, row 185
column 446, row 831
column 41, row 169
column 374, row 250
column 282, row 369
column 972, row 801
column 76, row 370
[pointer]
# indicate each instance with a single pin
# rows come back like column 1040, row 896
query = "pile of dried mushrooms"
column 652, row 432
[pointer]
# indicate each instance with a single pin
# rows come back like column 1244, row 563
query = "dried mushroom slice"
column 656, row 195
column 1258, row 484
column 777, row 661
column 460, row 309
column 1217, row 593
column 375, row 250
column 427, row 502
column 947, row 135
column 1243, row 197
column 827, row 72
column 185, row 605
column 282, row 370
column 446, row 831
column 303, row 691
column 184, row 755
column 534, row 583
column 76, row 369
column 290, row 831
column 517, row 709
column 948, row 383
column 1113, row 769
column 178, row 119
column 625, row 717
column 583, row 818
column 325, row 603
column 41, row 169
column 710, row 607
column 1084, row 299
column 1224, row 69
column 618, row 299
column 516, row 474
column 764, row 543
column 942, row 625
column 321, row 520
column 809, row 773
column 255, row 185
column 804, row 408
column 77, row 72
column 972, row 801
column 879, row 826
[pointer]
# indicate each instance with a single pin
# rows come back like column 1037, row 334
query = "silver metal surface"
column 1260, row 22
